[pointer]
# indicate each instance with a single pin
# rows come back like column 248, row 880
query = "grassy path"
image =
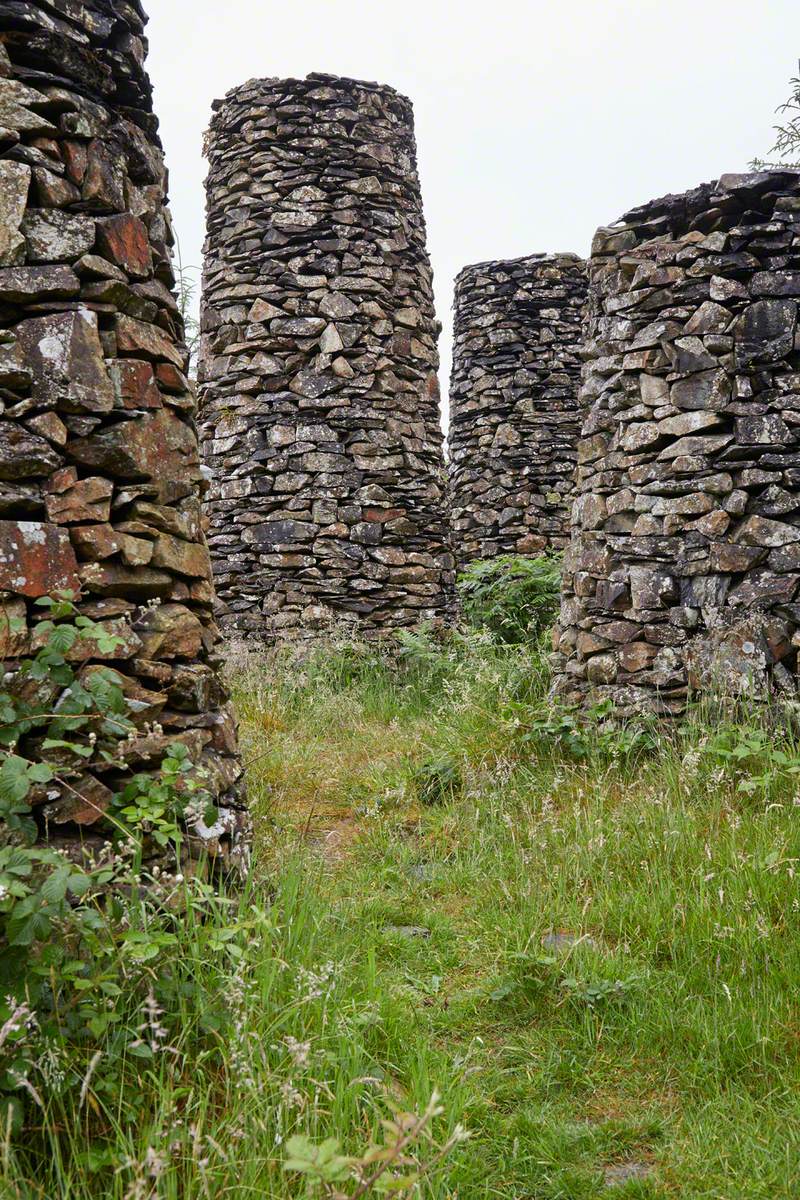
column 595, row 962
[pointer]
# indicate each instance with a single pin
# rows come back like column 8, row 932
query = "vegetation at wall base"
column 581, row 945
column 513, row 597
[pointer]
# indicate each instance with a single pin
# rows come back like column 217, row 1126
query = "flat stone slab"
column 559, row 941
column 424, row 872
column 406, row 931
column 620, row 1173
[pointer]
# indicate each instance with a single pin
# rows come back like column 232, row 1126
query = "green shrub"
column 762, row 762
column 515, row 598
column 550, row 728
column 60, row 935
column 437, row 781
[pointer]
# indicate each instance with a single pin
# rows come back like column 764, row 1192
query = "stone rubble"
column 683, row 570
column 319, row 400
column 100, row 479
column 514, row 420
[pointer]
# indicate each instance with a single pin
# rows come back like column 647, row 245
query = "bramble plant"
column 538, row 978
column 593, row 734
column 57, row 721
column 389, row 1167
column 754, row 759
column 598, row 968
column 437, row 781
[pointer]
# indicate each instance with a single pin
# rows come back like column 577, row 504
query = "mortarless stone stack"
column 684, row 567
column 99, row 469
column 319, row 405
column 514, row 420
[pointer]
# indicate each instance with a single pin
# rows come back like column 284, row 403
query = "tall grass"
column 587, row 943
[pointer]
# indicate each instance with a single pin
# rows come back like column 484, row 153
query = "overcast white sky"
column 536, row 120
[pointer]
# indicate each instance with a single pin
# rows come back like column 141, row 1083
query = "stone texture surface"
column 683, row 570
column 319, row 400
column 100, row 477
column 514, row 419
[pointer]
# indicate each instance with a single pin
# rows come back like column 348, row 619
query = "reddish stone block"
column 64, row 352
column 84, row 500
column 158, row 446
column 84, row 803
column 171, row 379
column 36, row 559
column 123, row 240
column 140, row 340
column 135, row 384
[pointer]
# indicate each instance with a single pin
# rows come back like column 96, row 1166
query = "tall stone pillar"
column 684, row 567
column 514, row 419
column 319, row 400
column 100, row 477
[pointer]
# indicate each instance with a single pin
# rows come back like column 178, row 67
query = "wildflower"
column 155, row 1162
column 22, row 1081
column 318, row 985
column 145, row 1174
column 290, row 1095
column 95, row 1059
column 51, row 1066
column 300, row 1051
column 21, row 1020
column 152, row 1032
column 243, row 1046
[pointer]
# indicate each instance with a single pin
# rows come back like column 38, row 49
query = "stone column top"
column 495, row 266
column 317, row 86
column 97, row 49
column 698, row 209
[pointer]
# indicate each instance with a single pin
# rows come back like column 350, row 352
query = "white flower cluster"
column 317, row 984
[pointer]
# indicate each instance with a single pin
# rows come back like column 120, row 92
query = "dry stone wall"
column 514, row 420
column 100, row 478
column 684, row 566
column 319, row 400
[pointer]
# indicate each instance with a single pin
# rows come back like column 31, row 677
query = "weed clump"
column 437, row 781
column 514, row 597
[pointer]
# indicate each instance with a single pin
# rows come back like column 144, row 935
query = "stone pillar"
column 100, row 477
column 684, row 566
column 319, row 399
column 513, row 404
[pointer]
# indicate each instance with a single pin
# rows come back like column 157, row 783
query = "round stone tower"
column 100, row 477
column 514, row 420
column 319, row 399
column 683, row 571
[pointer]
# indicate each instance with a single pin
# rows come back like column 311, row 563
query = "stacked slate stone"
column 319, row 405
column 684, row 569
column 514, row 419
column 100, row 477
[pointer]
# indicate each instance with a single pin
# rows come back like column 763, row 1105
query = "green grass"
column 664, row 1031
